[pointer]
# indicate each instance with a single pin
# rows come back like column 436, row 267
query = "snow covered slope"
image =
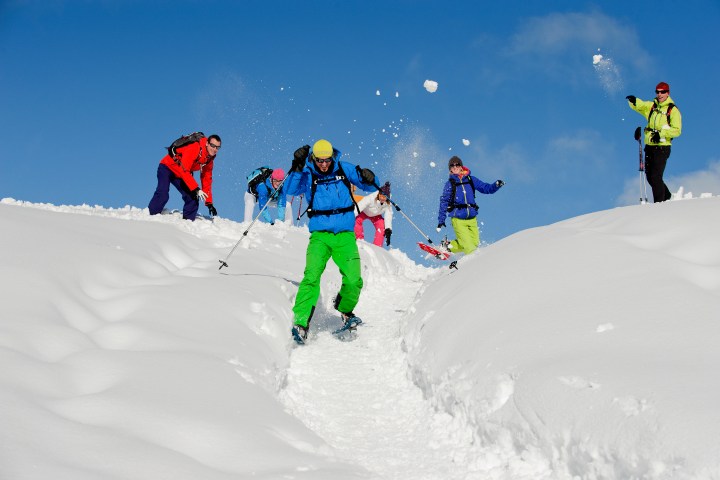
column 585, row 349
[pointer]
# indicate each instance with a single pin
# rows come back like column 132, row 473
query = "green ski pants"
column 342, row 248
column 468, row 236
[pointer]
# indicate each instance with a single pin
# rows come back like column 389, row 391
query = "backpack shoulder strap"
column 340, row 175
column 454, row 189
column 452, row 205
column 667, row 112
column 652, row 109
column 670, row 107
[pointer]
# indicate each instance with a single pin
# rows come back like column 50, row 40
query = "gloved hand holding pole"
column 397, row 207
column 223, row 263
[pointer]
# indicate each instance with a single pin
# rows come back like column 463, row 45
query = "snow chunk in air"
column 431, row 86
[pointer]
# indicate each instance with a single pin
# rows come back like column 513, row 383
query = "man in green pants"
column 326, row 182
column 458, row 202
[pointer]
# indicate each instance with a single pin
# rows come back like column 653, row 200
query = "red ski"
column 436, row 252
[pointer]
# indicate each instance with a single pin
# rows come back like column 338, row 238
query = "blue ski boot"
column 299, row 334
column 350, row 323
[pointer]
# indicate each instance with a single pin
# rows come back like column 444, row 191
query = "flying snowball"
column 377, row 92
column 466, row 142
column 430, row 86
column 608, row 73
column 433, row 164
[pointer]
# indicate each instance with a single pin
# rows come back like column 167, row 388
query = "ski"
column 349, row 326
column 436, row 252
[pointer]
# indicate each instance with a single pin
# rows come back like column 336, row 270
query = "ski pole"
column 641, row 164
column 297, row 220
column 223, row 263
column 397, row 207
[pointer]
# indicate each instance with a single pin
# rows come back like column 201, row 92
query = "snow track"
column 356, row 394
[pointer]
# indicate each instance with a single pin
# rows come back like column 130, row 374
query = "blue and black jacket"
column 330, row 198
column 458, row 196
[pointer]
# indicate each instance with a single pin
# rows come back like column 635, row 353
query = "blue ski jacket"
column 331, row 193
column 266, row 193
column 462, row 205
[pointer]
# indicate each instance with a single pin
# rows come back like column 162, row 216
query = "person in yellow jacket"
column 664, row 124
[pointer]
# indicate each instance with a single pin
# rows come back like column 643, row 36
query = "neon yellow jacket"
column 658, row 120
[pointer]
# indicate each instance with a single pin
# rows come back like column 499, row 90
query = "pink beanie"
column 278, row 174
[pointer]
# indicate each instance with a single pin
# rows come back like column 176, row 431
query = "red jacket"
column 192, row 158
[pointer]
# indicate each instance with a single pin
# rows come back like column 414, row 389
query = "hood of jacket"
column 465, row 172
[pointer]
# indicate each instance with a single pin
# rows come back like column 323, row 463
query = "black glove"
column 368, row 177
column 272, row 223
column 631, row 99
column 212, row 210
column 299, row 158
column 499, row 183
column 297, row 166
column 440, row 225
column 655, row 137
column 388, row 233
column 302, row 153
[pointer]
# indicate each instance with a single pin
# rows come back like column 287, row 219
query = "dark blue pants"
column 162, row 194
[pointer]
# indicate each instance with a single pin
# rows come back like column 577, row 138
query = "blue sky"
column 93, row 90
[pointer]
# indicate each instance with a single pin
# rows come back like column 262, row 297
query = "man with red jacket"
column 178, row 171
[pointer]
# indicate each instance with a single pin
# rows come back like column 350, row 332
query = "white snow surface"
column 587, row 349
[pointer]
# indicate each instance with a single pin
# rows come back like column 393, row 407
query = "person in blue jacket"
column 458, row 202
column 272, row 190
column 325, row 180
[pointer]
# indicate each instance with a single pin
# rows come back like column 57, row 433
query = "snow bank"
column 591, row 343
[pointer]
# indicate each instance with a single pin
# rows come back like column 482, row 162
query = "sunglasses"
column 455, row 165
column 216, row 147
column 322, row 160
column 661, row 91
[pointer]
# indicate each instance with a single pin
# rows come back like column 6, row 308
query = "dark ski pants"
column 656, row 157
column 162, row 194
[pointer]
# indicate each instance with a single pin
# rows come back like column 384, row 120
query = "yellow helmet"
column 322, row 149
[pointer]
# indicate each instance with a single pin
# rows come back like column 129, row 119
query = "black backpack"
column 339, row 175
column 452, row 205
column 184, row 140
column 256, row 177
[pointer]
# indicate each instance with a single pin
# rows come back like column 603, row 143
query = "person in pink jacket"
column 376, row 208
column 178, row 171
